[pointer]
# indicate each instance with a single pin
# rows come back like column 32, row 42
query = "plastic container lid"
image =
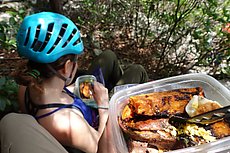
column 122, row 87
column 213, row 90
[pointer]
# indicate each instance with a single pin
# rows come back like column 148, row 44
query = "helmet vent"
column 70, row 37
column 61, row 33
column 77, row 41
column 63, row 29
column 48, row 35
column 38, row 45
column 27, row 36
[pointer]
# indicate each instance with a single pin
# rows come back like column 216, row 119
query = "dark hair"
column 24, row 77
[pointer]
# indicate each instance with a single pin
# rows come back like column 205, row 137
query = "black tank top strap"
column 89, row 114
column 54, row 105
column 32, row 108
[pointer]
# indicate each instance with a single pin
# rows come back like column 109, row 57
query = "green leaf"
column 2, row 36
column 21, row 11
column 12, row 21
column 2, row 81
column 12, row 42
column 12, row 13
column 3, row 101
column 11, row 86
column 226, row 70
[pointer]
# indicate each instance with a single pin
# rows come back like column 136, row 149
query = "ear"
column 68, row 67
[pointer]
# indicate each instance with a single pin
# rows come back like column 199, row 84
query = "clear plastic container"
column 85, row 80
column 121, row 87
column 213, row 90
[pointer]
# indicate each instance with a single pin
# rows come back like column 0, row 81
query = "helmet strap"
column 66, row 79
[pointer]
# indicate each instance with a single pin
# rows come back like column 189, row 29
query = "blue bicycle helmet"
column 44, row 37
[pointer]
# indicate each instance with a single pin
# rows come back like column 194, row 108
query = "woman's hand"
column 100, row 94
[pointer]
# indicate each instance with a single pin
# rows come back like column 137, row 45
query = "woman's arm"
column 71, row 129
column 101, row 97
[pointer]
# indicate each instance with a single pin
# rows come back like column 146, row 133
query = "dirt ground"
column 10, row 61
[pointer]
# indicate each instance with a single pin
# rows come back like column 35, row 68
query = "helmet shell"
column 44, row 37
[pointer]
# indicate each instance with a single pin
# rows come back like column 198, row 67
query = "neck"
column 54, row 84
column 52, row 91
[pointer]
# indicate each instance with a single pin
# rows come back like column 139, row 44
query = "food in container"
column 84, row 89
column 166, row 137
column 199, row 104
column 146, row 119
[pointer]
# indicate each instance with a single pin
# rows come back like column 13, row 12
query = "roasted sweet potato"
column 160, row 103
column 157, row 132
column 86, row 90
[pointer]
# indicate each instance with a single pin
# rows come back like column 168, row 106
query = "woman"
column 51, row 42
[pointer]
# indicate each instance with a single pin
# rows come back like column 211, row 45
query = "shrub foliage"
column 170, row 37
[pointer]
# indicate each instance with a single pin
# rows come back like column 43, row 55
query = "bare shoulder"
column 64, row 124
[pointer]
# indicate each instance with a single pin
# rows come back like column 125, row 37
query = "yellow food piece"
column 193, row 130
